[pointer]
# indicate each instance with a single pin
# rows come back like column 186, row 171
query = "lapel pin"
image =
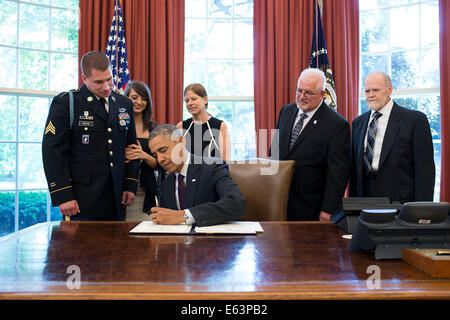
column 114, row 99
column 315, row 121
column 90, row 99
column 193, row 180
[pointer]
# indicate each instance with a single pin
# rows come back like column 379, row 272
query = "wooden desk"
column 290, row 260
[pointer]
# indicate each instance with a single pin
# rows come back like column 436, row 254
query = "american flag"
column 117, row 52
column 319, row 57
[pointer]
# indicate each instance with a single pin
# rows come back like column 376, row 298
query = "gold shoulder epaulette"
column 73, row 90
column 121, row 94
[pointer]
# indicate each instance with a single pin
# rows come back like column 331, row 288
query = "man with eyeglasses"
column 318, row 139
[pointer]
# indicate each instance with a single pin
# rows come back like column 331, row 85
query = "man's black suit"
column 406, row 169
column 322, row 155
column 211, row 196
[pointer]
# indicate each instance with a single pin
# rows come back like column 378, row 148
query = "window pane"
column 430, row 68
column 195, row 38
column 220, row 78
column 437, row 162
column 220, row 38
column 33, row 73
column 8, row 69
column 55, row 214
column 243, row 44
column 8, row 23
column 222, row 110
column 220, row 8
column 373, row 63
column 63, row 67
column 243, row 123
column 363, row 107
column 372, row 4
column 31, row 172
column 405, row 73
column 65, row 3
column 32, row 208
column 64, row 30
column 32, row 117
column 194, row 72
column 243, row 9
column 7, row 209
column 219, row 55
column 429, row 23
column 402, row 2
column 7, row 166
column 8, row 110
column 33, row 31
column 373, row 28
column 243, row 78
column 39, row 1
column 431, row 106
column 195, row 8
column 404, row 34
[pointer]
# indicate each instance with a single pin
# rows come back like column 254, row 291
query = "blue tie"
column 297, row 129
column 371, row 134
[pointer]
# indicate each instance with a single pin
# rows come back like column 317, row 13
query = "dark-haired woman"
column 205, row 135
column 140, row 95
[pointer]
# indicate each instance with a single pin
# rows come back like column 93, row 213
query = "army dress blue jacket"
column 86, row 162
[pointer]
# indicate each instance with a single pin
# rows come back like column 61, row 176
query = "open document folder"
column 232, row 227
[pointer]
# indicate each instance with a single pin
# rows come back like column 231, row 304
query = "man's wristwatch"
column 185, row 216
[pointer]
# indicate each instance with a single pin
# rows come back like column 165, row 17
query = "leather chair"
column 265, row 185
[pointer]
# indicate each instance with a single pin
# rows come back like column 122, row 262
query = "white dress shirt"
column 381, row 130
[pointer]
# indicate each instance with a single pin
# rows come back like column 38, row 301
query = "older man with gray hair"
column 392, row 149
column 318, row 139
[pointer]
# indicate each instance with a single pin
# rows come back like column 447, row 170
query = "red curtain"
column 95, row 24
column 282, row 32
column 444, row 38
column 154, row 35
column 341, row 27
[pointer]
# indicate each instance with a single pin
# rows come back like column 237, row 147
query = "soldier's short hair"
column 168, row 130
column 94, row 60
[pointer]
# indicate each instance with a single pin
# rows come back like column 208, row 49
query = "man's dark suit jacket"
column 211, row 196
column 406, row 171
column 322, row 155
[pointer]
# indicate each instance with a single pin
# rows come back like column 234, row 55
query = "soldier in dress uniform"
column 83, row 149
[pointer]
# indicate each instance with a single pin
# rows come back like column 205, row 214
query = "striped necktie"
column 297, row 129
column 371, row 135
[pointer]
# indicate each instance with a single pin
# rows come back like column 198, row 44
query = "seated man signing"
column 196, row 191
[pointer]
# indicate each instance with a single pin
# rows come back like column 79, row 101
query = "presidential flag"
column 319, row 57
column 117, row 52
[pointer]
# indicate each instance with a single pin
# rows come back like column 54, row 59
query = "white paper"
column 237, row 227
column 150, row 227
